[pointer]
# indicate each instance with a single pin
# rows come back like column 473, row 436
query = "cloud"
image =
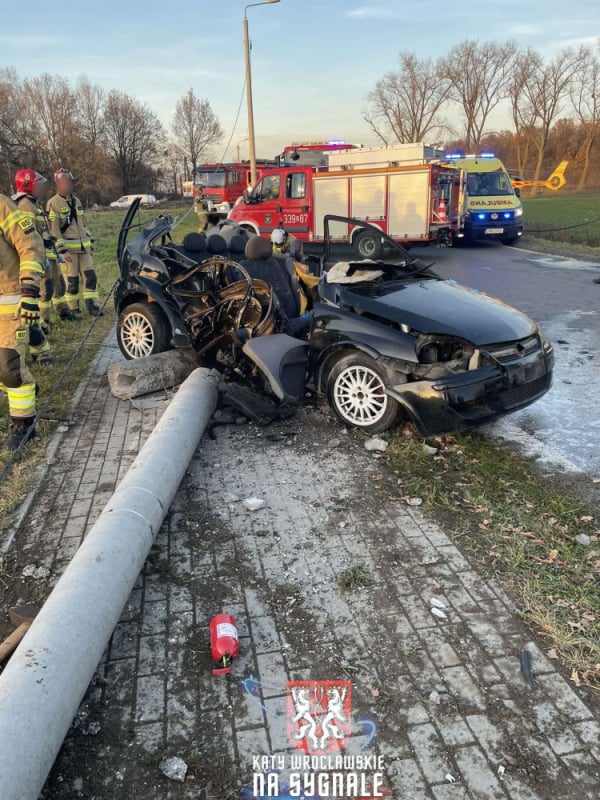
column 523, row 29
column 372, row 12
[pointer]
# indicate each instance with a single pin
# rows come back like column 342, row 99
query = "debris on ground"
column 414, row 501
column 254, row 503
column 431, row 451
column 583, row 539
column 527, row 669
column 229, row 497
column 174, row 768
column 376, row 445
column 450, row 777
column 33, row 571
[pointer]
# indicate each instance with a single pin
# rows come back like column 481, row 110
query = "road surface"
column 564, row 426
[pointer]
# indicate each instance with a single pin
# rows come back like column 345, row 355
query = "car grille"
column 514, row 350
column 518, row 395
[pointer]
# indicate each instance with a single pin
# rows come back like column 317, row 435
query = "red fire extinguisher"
column 224, row 642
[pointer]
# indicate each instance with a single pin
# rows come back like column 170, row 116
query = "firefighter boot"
column 67, row 314
column 93, row 308
column 22, row 430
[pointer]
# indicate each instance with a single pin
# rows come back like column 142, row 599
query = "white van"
column 146, row 200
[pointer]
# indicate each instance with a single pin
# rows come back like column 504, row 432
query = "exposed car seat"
column 260, row 263
column 216, row 245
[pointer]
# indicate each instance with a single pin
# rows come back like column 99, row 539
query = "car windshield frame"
column 410, row 263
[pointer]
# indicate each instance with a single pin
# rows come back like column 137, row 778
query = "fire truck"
column 394, row 189
column 223, row 184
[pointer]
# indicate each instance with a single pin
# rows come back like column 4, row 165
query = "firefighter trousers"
column 15, row 378
column 59, row 284
column 80, row 272
column 46, row 292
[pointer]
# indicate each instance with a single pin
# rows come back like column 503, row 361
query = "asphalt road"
column 563, row 427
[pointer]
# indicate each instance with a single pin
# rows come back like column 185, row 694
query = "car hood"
column 442, row 307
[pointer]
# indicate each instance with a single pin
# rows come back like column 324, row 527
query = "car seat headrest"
column 258, row 249
column 237, row 244
column 216, row 244
column 194, row 243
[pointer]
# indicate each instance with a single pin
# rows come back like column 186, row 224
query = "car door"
column 267, row 202
column 295, row 209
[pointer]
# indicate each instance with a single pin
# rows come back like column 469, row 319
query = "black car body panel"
column 450, row 356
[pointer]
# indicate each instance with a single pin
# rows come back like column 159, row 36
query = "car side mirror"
column 246, row 196
column 517, row 191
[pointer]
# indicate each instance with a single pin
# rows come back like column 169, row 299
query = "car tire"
column 367, row 245
column 142, row 330
column 356, row 392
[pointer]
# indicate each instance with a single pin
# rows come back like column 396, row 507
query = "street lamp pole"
column 251, row 139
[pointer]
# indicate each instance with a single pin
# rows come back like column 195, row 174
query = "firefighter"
column 283, row 242
column 29, row 185
column 31, row 192
column 202, row 211
column 74, row 243
column 22, row 267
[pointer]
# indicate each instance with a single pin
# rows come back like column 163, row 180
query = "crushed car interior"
column 383, row 340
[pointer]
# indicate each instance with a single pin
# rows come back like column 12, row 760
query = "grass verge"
column 565, row 219
column 522, row 527
column 65, row 338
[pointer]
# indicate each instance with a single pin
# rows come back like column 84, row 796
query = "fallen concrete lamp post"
column 162, row 371
column 46, row 679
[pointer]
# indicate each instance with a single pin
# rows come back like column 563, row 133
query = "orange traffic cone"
column 443, row 217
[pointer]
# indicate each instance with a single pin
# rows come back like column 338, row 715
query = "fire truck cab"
column 414, row 202
column 223, row 184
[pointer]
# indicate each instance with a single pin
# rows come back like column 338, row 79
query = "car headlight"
column 547, row 345
column 519, row 212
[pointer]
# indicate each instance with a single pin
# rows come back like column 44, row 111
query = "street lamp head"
column 262, row 3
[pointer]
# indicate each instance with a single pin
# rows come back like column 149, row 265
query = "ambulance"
column 407, row 198
column 492, row 205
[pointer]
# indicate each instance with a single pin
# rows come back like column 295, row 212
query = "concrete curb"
column 47, row 677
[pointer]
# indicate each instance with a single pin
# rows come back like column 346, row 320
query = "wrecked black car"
column 384, row 340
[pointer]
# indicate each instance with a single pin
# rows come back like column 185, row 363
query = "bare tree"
column 405, row 105
column 479, row 73
column 526, row 65
column 134, row 137
column 537, row 94
column 91, row 105
column 195, row 127
column 585, row 97
column 50, row 113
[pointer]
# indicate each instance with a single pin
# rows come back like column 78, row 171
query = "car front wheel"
column 356, row 392
column 142, row 330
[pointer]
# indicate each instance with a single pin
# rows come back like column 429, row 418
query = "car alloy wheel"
column 137, row 335
column 360, row 396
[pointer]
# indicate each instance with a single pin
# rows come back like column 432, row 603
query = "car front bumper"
column 458, row 402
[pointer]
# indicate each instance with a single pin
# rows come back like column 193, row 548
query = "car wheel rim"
column 367, row 247
column 137, row 336
column 359, row 396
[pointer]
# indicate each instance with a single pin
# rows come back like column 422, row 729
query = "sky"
column 313, row 63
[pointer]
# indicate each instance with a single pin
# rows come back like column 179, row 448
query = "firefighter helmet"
column 63, row 173
column 26, row 179
column 278, row 237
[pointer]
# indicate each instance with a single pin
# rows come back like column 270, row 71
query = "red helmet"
column 26, row 179
column 62, row 173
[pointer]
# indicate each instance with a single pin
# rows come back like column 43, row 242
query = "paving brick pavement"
column 278, row 571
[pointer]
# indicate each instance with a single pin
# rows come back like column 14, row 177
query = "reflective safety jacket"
column 68, row 224
column 22, row 255
column 32, row 206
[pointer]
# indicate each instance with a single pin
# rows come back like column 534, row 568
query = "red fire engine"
column 222, row 184
column 409, row 199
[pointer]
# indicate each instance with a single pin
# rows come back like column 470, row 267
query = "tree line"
column 554, row 105
column 113, row 143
